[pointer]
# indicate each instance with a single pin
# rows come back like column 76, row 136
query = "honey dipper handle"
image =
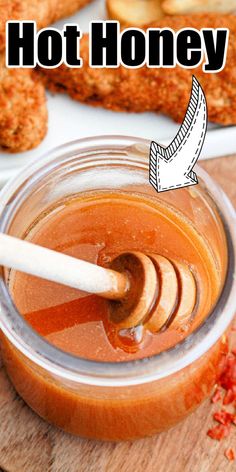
column 51, row 265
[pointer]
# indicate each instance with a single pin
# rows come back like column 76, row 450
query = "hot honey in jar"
column 97, row 228
column 72, row 363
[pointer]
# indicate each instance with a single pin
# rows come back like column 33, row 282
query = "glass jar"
column 127, row 400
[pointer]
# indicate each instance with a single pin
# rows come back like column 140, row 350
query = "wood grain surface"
column 28, row 444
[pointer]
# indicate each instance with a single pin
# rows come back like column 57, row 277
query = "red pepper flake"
column 224, row 417
column 217, row 396
column 227, row 383
column 228, row 378
column 229, row 397
column 219, row 432
column 230, row 454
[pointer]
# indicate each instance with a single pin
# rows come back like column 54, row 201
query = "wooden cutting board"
column 28, row 444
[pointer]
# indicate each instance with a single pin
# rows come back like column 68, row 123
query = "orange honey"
column 97, row 227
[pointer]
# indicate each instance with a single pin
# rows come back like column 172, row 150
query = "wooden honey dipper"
column 143, row 289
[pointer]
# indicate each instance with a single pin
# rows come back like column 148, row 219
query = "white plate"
column 70, row 120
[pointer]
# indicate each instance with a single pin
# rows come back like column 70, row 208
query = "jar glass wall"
column 127, row 400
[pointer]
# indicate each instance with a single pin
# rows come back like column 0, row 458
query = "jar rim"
column 135, row 372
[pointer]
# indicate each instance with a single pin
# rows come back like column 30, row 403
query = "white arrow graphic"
column 172, row 167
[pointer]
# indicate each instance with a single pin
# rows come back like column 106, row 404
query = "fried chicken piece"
column 160, row 90
column 43, row 12
column 182, row 7
column 23, row 110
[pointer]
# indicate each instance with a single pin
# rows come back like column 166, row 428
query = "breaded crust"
column 183, row 7
column 160, row 90
column 43, row 12
column 23, row 109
